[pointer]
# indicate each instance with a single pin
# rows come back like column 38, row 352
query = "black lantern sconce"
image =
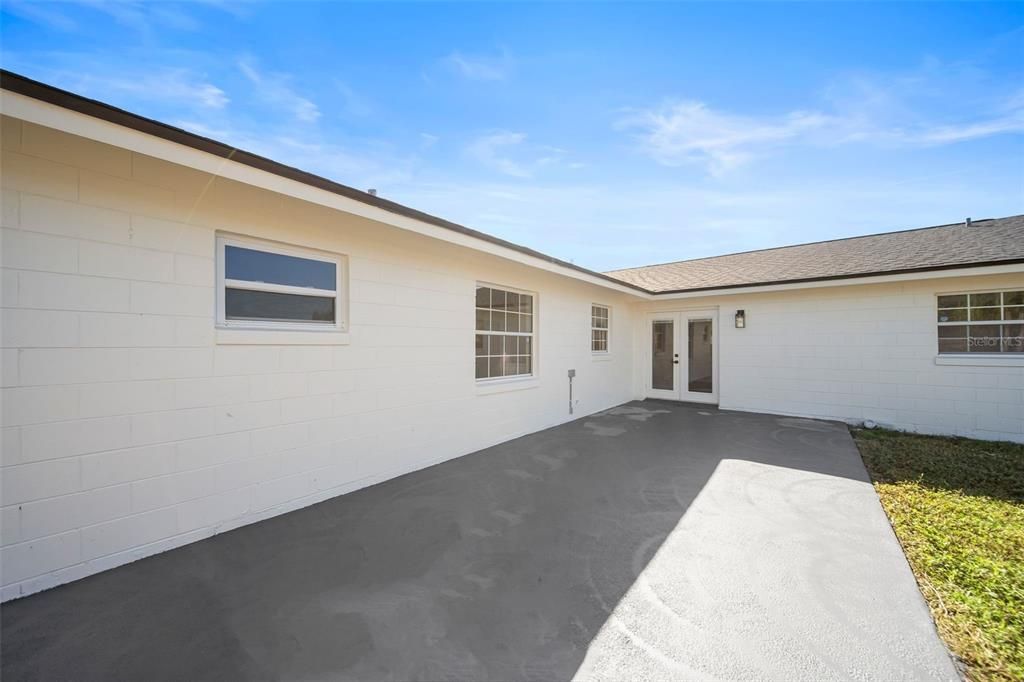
column 741, row 319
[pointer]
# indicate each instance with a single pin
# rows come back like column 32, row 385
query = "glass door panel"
column 683, row 359
column 663, row 355
column 700, row 369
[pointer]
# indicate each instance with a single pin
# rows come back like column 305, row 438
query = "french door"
column 683, row 356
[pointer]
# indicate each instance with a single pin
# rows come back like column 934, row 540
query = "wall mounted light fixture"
column 741, row 319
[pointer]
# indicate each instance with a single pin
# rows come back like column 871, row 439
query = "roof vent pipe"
column 373, row 193
column 967, row 222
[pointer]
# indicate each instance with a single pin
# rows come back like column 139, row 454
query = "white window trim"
column 340, row 294
column 608, row 329
column 504, row 385
column 515, row 379
column 979, row 359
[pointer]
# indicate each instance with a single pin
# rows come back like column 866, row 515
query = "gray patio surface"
column 652, row 541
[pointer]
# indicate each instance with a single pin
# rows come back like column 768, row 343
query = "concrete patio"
column 652, row 541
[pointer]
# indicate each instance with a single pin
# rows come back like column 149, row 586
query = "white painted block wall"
column 128, row 430
column 857, row 352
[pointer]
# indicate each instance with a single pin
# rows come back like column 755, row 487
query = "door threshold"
column 694, row 403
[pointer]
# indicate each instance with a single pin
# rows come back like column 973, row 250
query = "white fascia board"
column 852, row 281
column 53, row 116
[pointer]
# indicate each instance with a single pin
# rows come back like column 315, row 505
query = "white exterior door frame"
column 681, row 357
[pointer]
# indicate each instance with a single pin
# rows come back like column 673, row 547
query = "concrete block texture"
column 130, row 428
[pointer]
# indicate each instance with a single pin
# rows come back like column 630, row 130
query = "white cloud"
column 1013, row 123
column 354, row 103
column 685, row 132
column 313, row 153
column 171, row 17
column 427, row 140
column 899, row 111
column 491, row 151
column 479, row 68
column 550, row 156
column 134, row 15
column 178, row 86
column 142, row 16
column 274, row 89
column 40, row 13
column 510, row 154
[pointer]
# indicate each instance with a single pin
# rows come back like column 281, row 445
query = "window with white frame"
column 504, row 332
column 264, row 285
column 985, row 322
column 600, row 325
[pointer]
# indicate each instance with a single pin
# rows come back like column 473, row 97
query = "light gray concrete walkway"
column 653, row 541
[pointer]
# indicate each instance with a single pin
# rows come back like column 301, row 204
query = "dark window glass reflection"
column 241, row 304
column 250, row 265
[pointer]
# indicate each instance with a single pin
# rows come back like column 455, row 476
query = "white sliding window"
column 265, row 285
column 504, row 333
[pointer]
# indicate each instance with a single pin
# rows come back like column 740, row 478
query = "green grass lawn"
column 957, row 506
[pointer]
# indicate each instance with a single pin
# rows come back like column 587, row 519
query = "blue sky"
column 610, row 135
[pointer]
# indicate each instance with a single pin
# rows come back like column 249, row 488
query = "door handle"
column 675, row 362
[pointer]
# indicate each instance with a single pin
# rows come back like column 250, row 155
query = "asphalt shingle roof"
column 945, row 246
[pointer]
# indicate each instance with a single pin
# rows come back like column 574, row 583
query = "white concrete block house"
column 197, row 338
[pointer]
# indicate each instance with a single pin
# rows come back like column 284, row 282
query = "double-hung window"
column 504, row 332
column 985, row 322
column 600, row 325
column 264, row 285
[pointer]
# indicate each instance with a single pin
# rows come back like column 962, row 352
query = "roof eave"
column 957, row 269
column 374, row 207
